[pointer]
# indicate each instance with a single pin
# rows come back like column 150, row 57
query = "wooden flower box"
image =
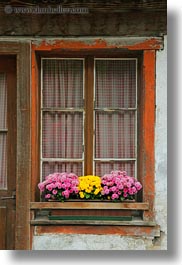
column 85, row 212
column 91, row 210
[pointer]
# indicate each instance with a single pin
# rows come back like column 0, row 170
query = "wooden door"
column 7, row 151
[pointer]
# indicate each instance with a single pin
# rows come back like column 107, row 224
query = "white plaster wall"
column 116, row 242
column 161, row 143
column 90, row 242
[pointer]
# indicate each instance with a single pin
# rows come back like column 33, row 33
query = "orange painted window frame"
column 147, row 161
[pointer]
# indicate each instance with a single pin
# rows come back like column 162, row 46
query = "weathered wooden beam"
column 23, row 147
column 101, row 6
column 92, row 24
column 46, row 221
column 123, row 230
column 89, row 205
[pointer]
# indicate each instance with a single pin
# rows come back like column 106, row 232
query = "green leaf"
column 87, row 196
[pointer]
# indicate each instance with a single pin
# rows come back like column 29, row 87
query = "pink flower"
column 120, row 187
column 138, row 185
column 75, row 190
column 134, row 189
column 113, row 189
column 64, row 186
column 54, row 192
column 41, row 187
column 49, row 187
column 66, row 194
column 47, row 196
column 59, row 186
column 114, row 196
column 68, row 185
column 106, row 191
column 125, row 190
column 130, row 191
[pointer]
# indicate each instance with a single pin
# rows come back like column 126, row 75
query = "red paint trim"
column 99, row 230
column 78, row 45
column 149, row 62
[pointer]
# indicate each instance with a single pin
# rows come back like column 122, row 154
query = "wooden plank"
column 89, row 205
column 22, row 238
column 89, row 105
column 3, row 228
column 122, row 230
column 12, row 124
column 101, row 6
column 89, row 212
column 148, row 141
column 89, row 218
column 35, row 125
column 46, row 221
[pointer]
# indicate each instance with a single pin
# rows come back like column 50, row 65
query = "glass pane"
column 102, row 168
column 62, row 135
column 115, row 82
column 3, row 101
column 115, row 134
column 51, row 167
column 3, row 161
column 63, row 83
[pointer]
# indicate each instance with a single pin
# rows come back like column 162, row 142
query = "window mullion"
column 89, row 111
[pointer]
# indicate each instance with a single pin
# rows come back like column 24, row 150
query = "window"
column 134, row 118
column 88, row 115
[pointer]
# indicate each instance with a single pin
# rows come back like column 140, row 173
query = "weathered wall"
column 90, row 242
column 93, row 24
column 103, row 18
column 161, row 143
column 117, row 242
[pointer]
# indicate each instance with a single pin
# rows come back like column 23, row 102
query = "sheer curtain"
column 3, row 133
column 115, row 115
column 62, row 114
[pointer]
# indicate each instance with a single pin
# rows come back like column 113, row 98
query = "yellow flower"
column 81, row 194
column 96, row 191
column 89, row 184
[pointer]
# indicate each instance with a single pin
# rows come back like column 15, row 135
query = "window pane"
column 102, row 168
column 51, row 167
column 3, row 161
column 62, row 83
column 3, row 101
column 115, row 82
column 115, row 135
column 62, row 135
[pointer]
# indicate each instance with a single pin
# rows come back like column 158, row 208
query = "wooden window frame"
column 89, row 111
column 146, row 52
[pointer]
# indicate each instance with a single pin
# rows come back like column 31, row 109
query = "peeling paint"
column 98, row 43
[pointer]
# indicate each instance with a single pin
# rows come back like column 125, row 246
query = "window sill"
column 90, row 205
column 44, row 220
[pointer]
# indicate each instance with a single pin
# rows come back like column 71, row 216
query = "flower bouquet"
column 118, row 186
column 90, row 187
column 59, row 186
